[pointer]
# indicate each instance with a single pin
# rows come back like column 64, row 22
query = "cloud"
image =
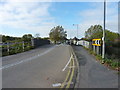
column 95, row 15
column 33, row 16
column 61, row 0
column 26, row 0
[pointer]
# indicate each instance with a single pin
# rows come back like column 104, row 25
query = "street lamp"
column 103, row 47
column 77, row 28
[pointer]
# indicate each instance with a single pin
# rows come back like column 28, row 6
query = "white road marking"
column 56, row 85
column 67, row 64
column 25, row 60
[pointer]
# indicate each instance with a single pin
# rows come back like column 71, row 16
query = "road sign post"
column 96, row 42
column 94, row 48
column 97, row 50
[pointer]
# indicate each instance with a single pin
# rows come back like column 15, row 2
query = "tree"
column 4, row 39
column 96, row 31
column 37, row 35
column 27, row 37
column 57, row 34
column 46, row 38
column 9, row 38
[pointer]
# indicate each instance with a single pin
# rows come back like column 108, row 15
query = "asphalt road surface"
column 92, row 74
column 37, row 68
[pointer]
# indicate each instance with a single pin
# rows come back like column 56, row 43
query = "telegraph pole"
column 77, row 28
column 103, row 47
column 77, row 32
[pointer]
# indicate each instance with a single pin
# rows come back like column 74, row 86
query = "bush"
column 108, row 61
column 15, row 48
column 115, row 64
column 99, row 57
column 12, row 51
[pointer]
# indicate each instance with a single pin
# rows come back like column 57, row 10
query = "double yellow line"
column 70, row 74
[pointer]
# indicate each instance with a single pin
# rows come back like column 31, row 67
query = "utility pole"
column 77, row 28
column 103, row 47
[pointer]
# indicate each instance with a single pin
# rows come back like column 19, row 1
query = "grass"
column 119, row 73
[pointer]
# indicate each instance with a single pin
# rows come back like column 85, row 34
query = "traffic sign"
column 96, row 42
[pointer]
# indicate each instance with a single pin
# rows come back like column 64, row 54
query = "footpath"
column 92, row 74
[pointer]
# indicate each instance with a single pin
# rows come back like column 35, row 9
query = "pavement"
column 37, row 68
column 92, row 74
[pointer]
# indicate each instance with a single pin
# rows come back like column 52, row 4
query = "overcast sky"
column 19, row 18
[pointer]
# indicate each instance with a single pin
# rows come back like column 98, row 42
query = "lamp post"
column 77, row 28
column 103, row 47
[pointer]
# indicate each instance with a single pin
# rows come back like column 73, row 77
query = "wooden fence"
column 13, row 48
column 10, row 48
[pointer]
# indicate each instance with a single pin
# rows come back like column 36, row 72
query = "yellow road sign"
column 96, row 42
column 95, row 39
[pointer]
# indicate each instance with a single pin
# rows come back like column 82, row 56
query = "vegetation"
column 57, row 34
column 112, row 45
column 96, row 31
column 46, row 38
column 27, row 37
column 16, row 47
column 37, row 35
column 13, row 45
column 9, row 38
column 16, row 44
column 108, row 62
column 112, row 40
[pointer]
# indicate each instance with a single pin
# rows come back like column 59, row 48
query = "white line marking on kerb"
column 25, row 60
column 67, row 64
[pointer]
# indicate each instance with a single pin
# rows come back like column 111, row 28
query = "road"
column 37, row 68
column 92, row 74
